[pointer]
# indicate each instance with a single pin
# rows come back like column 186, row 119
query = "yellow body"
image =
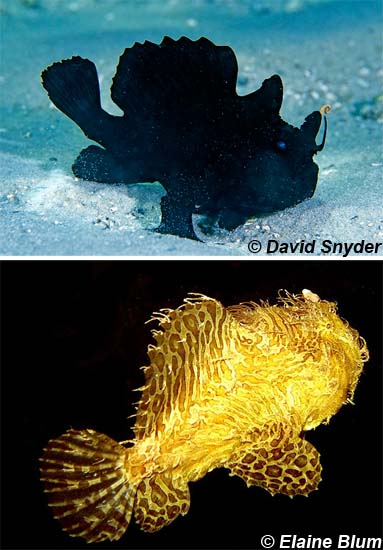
column 226, row 387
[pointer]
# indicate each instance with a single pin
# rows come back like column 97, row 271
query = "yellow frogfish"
column 233, row 387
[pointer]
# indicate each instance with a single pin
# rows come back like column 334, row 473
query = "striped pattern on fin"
column 186, row 362
column 85, row 477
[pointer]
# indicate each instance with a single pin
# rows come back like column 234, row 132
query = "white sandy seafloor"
column 327, row 51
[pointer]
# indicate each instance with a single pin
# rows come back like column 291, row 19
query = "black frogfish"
column 233, row 387
column 226, row 156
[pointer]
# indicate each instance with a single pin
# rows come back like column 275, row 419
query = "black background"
column 73, row 339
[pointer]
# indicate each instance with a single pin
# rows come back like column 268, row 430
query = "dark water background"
column 74, row 338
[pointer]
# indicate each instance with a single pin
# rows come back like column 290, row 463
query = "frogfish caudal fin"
column 86, row 477
column 87, row 483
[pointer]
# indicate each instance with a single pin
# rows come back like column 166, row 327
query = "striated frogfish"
column 233, row 387
column 226, row 156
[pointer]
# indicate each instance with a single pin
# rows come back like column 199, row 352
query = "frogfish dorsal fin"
column 311, row 125
column 265, row 103
column 279, row 464
column 173, row 77
column 190, row 343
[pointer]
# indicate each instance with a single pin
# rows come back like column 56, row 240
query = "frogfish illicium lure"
column 233, row 387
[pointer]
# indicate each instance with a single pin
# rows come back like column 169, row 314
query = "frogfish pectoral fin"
column 159, row 501
column 85, row 477
column 290, row 469
column 96, row 164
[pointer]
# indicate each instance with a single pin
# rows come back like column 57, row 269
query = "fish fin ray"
column 90, row 501
column 202, row 68
column 72, row 85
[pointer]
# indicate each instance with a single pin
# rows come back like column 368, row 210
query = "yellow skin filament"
column 325, row 109
column 232, row 387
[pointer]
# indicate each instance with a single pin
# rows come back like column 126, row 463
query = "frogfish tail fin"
column 86, row 478
column 73, row 87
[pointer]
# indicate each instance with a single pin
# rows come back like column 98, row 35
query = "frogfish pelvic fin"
column 233, row 387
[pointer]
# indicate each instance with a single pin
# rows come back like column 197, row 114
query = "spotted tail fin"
column 85, row 476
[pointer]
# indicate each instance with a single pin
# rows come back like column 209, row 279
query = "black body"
column 227, row 156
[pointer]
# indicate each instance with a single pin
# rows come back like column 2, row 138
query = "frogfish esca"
column 233, row 387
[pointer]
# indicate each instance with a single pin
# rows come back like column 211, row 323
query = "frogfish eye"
column 281, row 145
